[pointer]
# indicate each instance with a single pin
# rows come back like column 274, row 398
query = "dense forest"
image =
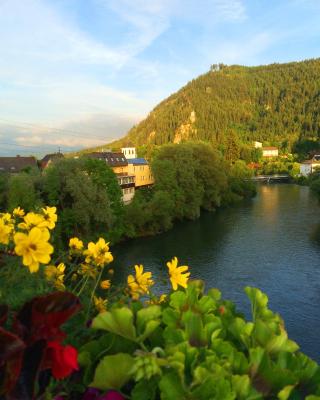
column 231, row 106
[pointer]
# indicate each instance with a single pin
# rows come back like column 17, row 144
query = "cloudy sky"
column 78, row 73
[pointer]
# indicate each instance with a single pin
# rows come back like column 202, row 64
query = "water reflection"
column 271, row 242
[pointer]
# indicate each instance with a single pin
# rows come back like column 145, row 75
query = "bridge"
column 271, row 178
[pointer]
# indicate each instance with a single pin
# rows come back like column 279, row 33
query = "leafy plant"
column 197, row 346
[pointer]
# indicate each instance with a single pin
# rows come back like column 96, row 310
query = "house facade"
column 270, row 152
column 129, row 152
column 140, row 168
column 307, row 167
column 257, row 145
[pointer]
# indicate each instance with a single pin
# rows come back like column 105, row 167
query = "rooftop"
column 16, row 164
column 112, row 159
column 138, row 161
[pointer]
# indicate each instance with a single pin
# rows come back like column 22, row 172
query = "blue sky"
column 78, row 73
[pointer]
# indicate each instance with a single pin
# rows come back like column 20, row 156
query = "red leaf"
column 42, row 317
column 11, row 354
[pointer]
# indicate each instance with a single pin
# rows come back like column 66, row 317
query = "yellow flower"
column 52, row 272
column 7, row 218
column 156, row 300
column 18, row 212
column 100, row 304
column 178, row 275
column 5, row 231
column 75, row 244
column 88, row 270
column 50, row 216
column 33, row 220
column 56, row 275
column 105, row 284
column 33, row 247
column 139, row 284
column 98, row 252
column 162, row 298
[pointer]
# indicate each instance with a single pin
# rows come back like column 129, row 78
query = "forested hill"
column 277, row 104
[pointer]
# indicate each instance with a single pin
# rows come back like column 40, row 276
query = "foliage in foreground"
column 197, row 346
column 188, row 345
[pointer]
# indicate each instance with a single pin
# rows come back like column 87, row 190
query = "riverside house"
column 119, row 165
column 270, row 152
column 139, row 167
column 17, row 164
column 307, row 167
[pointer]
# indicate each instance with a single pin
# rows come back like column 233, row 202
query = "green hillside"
column 278, row 104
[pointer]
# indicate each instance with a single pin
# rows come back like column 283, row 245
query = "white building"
column 270, row 152
column 129, row 152
column 257, row 145
column 127, row 184
column 309, row 166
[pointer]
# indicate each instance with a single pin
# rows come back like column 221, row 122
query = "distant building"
column 307, row 167
column 17, row 164
column 50, row 158
column 270, row 152
column 141, row 169
column 127, row 184
column 129, row 152
column 117, row 161
column 119, row 165
column 257, row 145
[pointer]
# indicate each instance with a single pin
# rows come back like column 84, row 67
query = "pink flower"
column 112, row 395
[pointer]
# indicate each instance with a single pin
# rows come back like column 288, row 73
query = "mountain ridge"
column 278, row 104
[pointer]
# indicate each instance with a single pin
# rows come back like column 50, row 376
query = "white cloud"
column 54, row 73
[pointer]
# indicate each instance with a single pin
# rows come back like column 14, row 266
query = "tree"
column 86, row 199
column 23, row 190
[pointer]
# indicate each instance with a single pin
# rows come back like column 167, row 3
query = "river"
column 271, row 242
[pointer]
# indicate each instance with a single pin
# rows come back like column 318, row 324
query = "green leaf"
column 147, row 314
column 113, row 372
column 194, row 329
column 206, row 304
column 178, row 300
column 262, row 333
column 241, row 385
column 170, row 317
column 84, row 359
column 215, row 294
column 118, row 321
column 145, row 390
column 285, row 392
column 149, row 329
column 171, row 387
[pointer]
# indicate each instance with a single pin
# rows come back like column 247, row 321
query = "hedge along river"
column 271, row 242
